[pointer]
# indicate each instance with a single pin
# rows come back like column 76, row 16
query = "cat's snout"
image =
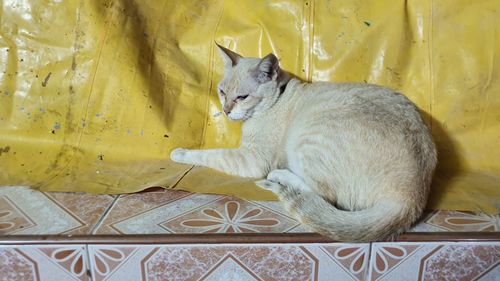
column 227, row 111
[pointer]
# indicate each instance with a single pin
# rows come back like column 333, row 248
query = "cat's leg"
column 295, row 195
column 243, row 162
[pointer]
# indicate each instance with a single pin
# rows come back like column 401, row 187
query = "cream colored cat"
column 351, row 161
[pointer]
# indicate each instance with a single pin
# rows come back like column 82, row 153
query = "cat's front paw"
column 288, row 179
column 269, row 185
column 179, row 155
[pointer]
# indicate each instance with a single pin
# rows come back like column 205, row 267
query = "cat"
column 352, row 161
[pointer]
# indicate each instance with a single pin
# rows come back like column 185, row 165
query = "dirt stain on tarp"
column 63, row 157
column 4, row 150
column 46, row 80
column 69, row 150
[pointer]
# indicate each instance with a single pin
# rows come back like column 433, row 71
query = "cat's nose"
column 227, row 111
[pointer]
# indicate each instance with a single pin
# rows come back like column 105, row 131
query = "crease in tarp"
column 95, row 94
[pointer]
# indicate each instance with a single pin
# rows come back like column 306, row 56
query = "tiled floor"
column 336, row 261
column 25, row 211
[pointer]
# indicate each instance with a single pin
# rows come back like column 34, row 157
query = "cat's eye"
column 242, row 97
column 222, row 92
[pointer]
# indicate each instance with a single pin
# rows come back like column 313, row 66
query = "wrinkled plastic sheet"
column 95, row 94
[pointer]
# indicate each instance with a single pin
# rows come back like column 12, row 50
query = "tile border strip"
column 234, row 238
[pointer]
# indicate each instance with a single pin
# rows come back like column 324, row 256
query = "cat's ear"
column 230, row 58
column 267, row 69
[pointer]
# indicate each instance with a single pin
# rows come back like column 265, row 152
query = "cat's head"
column 250, row 86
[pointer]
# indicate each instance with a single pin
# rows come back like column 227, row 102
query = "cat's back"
column 356, row 113
column 347, row 93
column 353, row 100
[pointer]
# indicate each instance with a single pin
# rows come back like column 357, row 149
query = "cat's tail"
column 383, row 221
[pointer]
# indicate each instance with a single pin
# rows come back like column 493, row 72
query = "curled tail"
column 382, row 221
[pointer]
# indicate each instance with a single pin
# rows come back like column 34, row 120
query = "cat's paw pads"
column 269, row 185
column 178, row 155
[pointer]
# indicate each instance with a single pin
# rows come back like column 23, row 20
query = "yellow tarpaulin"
column 95, row 94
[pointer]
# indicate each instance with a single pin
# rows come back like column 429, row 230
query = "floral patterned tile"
column 180, row 212
column 464, row 221
column 230, row 262
column 229, row 215
column 57, row 262
column 156, row 210
column 170, row 211
column 325, row 261
column 457, row 221
column 435, row 261
column 27, row 211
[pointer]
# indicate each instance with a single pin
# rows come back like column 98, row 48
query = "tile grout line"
column 369, row 269
column 89, row 272
column 104, row 215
